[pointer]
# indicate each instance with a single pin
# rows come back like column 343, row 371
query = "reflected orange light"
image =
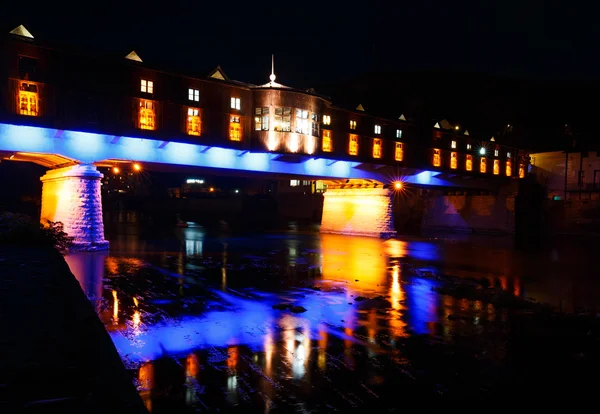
column 233, row 356
column 395, row 248
column 191, row 366
column 136, row 319
column 146, row 381
column 353, row 258
column 115, row 307
column 269, row 349
column 322, row 358
column 137, row 166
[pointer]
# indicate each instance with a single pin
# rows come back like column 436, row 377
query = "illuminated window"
column 398, row 133
column 508, row 168
column 147, row 115
column 194, row 95
column 283, row 119
column 315, row 125
column 399, row 153
column 235, row 128
column 482, row 151
column 454, row 160
column 469, row 163
column 376, row 148
column 147, row 86
column 302, row 125
column 28, row 99
column 521, row 171
column 495, row 153
column 496, row 167
column 436, row 158
column 193, row 121
column 483, row 165
column 294, row 183
column 235, row 103
column 508, row 155
column 327, row 144
column 261, row 119
column 352, row 124
column 469, row 147
column 453, row 144
column 326, row 119
column 378, row 129
column 353, row 148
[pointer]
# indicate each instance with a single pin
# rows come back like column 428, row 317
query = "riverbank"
column 56, row 354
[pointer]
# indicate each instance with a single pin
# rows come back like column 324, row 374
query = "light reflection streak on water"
column 115, row 316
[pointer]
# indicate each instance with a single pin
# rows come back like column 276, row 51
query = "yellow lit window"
column 327, row 145
column 454, row 160
column 147, row 115
column 326, row 119
column 352, row 124
column 398, row 133
column 521, row 171
column 193, row 121
column 496, row 167
column 483, row 165
column 235, row 103
column 453, row 144
column 147, row 86
column 353, row 148
column 399, row 153
column 28, row 99
column 235, row 128
column 436, row 158
column 378, row 129
column 508, row 168
column 469, row 163
column 376, row 148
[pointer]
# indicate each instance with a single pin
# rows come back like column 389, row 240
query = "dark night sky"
column 321, row 42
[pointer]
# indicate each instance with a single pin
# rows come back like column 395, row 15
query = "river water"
column 197, row 314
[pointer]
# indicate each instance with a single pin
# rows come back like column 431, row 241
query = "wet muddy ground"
column 302, row 322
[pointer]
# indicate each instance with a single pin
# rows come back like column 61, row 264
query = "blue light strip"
column 94, row 148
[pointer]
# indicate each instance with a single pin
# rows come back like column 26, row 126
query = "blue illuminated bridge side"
column 92, row 148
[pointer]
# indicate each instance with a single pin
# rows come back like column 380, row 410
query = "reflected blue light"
column 424, row 251
column 422, row 304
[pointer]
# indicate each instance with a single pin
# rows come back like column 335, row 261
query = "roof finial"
column 272, row 76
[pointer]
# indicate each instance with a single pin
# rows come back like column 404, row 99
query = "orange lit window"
column 483, row 165
column 399, row 153
column 353, row 148
column 436, row 158
column 376, row 148
column 496, row 167
column 326, row 119
column 193, row 121
column 28, row 99
column 352, row 124
column 147, row 115
column 454, row 160
column 327, row 147
column 521, row 171
column 508, row 168
column 469, row 163
column 235, row 128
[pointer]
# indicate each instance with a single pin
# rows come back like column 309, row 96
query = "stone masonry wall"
column 358, row 211
column 470, row 213
column 71, row 195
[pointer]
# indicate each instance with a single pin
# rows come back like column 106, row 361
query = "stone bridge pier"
column 358, row 211
column 71, row 195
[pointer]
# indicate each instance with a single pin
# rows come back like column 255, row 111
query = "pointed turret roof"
column 21, row 31
column 402, row 117
column 360, row 108
column 218, row 73
column 134, row 56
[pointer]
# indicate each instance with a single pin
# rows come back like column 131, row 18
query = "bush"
column 22, row 230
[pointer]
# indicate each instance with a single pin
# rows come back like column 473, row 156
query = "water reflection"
column 192, row 303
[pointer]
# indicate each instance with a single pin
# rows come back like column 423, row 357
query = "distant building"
column 580, row 178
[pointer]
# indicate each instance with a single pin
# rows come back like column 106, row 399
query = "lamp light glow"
column 398, row 185
column 116, row 170
column 137, row 167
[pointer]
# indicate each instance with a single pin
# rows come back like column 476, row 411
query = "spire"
column 360, row 108
column 272, row 77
